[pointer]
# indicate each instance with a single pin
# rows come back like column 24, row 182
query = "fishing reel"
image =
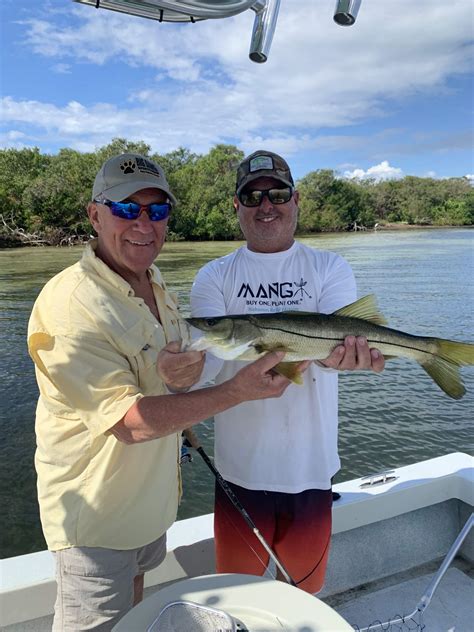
column 186, row 456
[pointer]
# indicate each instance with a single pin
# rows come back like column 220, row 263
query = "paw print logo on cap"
column 128, row 166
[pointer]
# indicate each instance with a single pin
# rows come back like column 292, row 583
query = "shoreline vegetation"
column 43, row 197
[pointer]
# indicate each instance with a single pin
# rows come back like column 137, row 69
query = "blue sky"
column 390, row 96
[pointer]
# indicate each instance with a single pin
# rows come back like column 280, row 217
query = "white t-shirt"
column 287, row 444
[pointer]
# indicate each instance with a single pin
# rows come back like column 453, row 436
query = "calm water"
column 424, row 282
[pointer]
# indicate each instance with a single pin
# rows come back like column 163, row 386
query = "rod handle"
column 191, row 436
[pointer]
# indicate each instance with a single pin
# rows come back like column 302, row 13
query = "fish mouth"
column 198, row 321
column 199, row 324
column 192, row 321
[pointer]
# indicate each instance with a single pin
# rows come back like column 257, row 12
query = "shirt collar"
column 92, row 262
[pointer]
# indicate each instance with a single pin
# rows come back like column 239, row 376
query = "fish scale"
column 328, row 332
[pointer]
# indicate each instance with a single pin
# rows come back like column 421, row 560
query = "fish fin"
column 446, row 375
column 260, row 347
column 365, row 309
column 443, row 367
column 459, row 353
column 289, row 370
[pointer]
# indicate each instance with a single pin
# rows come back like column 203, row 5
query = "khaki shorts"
column 95, row 585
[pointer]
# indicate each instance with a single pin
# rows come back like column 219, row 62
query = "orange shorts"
column 297, row 527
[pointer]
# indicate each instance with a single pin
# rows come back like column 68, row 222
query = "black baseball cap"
column 262, row 164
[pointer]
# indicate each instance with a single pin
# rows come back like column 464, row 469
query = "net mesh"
column 398, row 623
column 187, row 616
column 414, row 621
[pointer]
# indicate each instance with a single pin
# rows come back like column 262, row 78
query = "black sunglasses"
column 254, row 197
column 132, row 210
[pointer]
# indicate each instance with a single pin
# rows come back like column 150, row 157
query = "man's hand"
column 355, row 355
column 178, row 369
column 258, row 381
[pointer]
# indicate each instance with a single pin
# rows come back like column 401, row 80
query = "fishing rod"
column 194, row 443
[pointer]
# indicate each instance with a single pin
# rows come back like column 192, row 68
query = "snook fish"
column 312, row 336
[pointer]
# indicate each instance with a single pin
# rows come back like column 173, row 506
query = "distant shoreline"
column 385, row 228
column 10, row 241
column 401, row 226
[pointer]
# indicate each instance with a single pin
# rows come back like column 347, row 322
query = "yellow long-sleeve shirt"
column 95, row 344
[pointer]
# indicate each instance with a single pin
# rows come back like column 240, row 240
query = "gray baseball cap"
column 122, row 176
column 263, row 164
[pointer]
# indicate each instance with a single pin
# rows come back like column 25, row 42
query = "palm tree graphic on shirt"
column 300, row 287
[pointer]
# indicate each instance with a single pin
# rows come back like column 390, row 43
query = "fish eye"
column 211, row 322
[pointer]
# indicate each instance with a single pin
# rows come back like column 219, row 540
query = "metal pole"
column 433, row 585
column 194, row 442
column 266, row 14
column 429, row 592
column 346, row 12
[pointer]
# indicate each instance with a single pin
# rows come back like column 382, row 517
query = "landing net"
column 187, row 616
column 414, row 621
column 409, row 623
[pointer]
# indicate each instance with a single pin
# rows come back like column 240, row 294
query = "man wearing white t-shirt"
column 278, row 455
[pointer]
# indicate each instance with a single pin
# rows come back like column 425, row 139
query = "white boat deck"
column 387, row 542
column 451, row 609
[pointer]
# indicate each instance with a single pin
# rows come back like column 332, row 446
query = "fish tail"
column 460, row 353
column 443, row 367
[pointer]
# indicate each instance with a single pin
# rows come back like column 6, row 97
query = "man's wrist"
column 230, row 392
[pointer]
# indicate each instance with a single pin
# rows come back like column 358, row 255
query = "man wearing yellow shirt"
column 101, row 334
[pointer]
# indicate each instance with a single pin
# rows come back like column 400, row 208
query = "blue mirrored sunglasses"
column 131, row 210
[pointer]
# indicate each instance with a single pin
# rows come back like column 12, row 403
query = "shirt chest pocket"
column 176, row 328
column 142, row 348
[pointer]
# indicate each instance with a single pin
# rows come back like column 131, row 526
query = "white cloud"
column 382, row 171
column 470, row 177
column 202, row 88
column 15, row 135
column 13, row 139
column 98, row 37
column 62, row 69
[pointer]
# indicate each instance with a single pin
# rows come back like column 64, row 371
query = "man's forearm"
column 157, row 416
